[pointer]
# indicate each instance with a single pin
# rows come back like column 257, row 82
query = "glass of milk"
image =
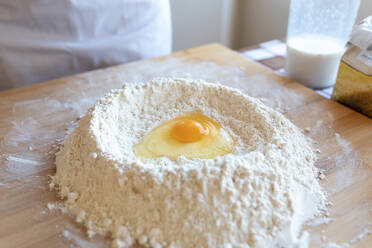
column 318, row 31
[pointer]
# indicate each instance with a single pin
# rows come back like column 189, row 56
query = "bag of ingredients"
column 354, row 81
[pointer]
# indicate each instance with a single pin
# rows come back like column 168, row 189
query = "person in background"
column 42, row 39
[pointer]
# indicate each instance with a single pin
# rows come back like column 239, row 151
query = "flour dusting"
column 364, row 233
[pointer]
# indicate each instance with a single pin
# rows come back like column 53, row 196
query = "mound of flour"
column 257, row 196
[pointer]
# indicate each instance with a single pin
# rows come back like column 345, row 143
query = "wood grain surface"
column 34, row 119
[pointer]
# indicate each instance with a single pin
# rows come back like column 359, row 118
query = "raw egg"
column 192, row 136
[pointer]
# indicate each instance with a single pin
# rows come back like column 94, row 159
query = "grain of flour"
column 257, row 196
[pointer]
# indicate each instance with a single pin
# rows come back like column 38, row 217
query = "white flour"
column 365, row 232
column 258, row 196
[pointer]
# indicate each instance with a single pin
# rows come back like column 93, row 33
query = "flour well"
column 257, row 196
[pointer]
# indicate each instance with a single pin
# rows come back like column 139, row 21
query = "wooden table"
column 34, row 119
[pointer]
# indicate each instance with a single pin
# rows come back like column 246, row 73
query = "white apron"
column 46, row 39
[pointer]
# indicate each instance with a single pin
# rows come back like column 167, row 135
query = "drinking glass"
column 317, row 33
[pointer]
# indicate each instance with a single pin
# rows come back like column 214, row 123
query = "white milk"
column 313, row 60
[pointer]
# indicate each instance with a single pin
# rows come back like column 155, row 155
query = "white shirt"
column 45, row 39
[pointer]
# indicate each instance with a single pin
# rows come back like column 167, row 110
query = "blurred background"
column 234, row 23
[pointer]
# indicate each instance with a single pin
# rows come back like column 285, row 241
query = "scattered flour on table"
column 364, row 233
column 320, row 221
column 335, row 245
column 258, row 196
column 75, row 236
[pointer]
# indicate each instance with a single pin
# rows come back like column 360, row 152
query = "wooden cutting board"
column 34, row 119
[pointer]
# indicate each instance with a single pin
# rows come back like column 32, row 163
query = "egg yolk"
column 191, row 136
column 188, row 131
